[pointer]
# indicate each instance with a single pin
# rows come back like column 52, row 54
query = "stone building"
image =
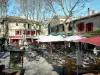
column 18, row 29
column 86, row 24
column 76, row 26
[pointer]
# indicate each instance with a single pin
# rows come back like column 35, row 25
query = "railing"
column 20, row 32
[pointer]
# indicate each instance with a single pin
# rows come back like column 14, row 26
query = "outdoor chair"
column 91, row 68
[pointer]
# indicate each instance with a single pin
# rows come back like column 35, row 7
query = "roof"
column 15, row 19
column 87, row 17
column 59, row 17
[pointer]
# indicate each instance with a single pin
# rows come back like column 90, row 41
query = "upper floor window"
column 89, row 27
column 24, row 25
column 16, row 24
column 29, row 26
column 32, row 32
column 17, row 32
column 80, row 27
column 57, row 28
column 53, row 29
column 70, row 28
column 28, row 32
column 62, row 27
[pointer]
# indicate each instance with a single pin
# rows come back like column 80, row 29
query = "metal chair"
column 21, row 72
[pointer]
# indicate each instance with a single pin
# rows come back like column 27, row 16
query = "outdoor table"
column 89, row 74
column 80, row 71
column 96, row 71
column 10, row 71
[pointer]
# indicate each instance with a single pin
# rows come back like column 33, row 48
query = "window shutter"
column 80, row 27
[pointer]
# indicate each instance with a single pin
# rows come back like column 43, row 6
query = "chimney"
column 88, row 11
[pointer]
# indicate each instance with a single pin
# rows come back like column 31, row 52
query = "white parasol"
column 73, row 38
column 50, row 39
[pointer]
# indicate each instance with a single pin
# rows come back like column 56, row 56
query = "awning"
column 92, row 40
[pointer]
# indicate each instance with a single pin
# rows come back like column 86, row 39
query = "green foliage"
column 14, row 66
column 92, row 33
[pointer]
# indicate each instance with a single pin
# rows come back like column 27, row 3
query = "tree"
column 35, row 9
column 3, row 7
column 68, row 7
column 3, row 12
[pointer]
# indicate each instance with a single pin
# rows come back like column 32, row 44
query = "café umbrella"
column 74, row 38
column 50, row 39
column 92, row 40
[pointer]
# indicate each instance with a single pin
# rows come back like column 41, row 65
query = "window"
column 70, row 27
column 89, row 27
column 53, row 29
column 29, row 26
column 28, row 32
column 16, row 24
column 57, row 28
column 80, row 27
column 18, row 33
column 24, row 25
column 32, row 32
column 62, row 28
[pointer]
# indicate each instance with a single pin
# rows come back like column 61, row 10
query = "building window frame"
column 17, row 32
column 89, row 27
column 80, row 27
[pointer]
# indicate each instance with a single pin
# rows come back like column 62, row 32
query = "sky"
column 93, row 5
column 13, row 9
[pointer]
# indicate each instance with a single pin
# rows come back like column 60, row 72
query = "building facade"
column 55, row 24
column 86, row 24
column 19, row 30
column 78, row 26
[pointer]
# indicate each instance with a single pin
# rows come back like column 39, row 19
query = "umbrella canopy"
column 92, row 40
column 50, row 39
column 38, row 37
column 73, row 38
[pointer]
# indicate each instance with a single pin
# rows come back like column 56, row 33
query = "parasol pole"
column 50, row 48
column 77, row 56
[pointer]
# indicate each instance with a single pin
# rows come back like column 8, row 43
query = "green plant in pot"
column 14, row 66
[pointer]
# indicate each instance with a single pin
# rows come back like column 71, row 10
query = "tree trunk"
column 66, row 29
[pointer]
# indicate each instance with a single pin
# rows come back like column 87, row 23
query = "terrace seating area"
column 88, row 66
column 5, row 71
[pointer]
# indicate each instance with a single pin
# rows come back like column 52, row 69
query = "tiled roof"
column 86, row 17
column 15, row 19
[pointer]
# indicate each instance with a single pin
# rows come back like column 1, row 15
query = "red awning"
column 92, row 40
